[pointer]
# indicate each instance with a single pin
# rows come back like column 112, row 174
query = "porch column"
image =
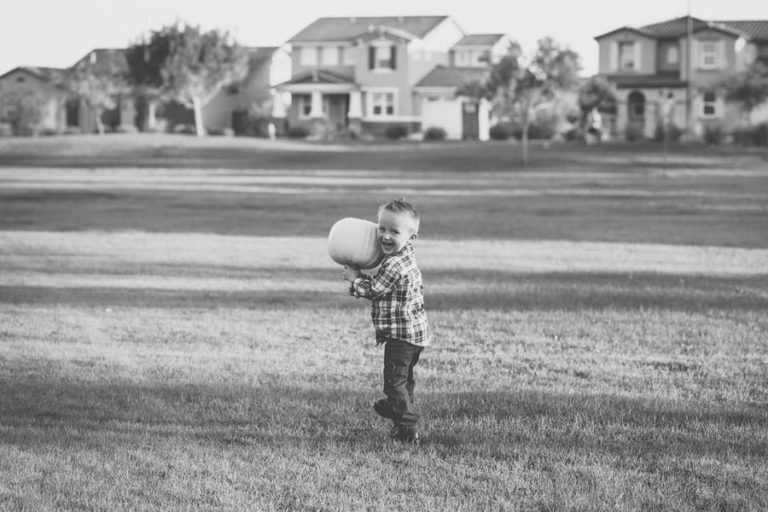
column 355, row 105
column 317, row 105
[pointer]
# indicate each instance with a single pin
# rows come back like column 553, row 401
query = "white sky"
column 57, row 33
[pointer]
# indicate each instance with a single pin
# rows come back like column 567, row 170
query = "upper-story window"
column 381, row 56
column 708, row 53
column 627, row 55
column 672, row 55
column 308, row 56
column 329, row 55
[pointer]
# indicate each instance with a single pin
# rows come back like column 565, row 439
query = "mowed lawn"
column 173, row 335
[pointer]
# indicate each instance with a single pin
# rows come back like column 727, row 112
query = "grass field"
column 173, row 335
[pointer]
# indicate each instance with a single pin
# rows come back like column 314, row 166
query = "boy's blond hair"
column 402, row 207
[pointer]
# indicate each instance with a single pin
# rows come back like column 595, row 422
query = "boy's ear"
column 414, row 236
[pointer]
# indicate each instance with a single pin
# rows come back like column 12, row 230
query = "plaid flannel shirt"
column 397, row 299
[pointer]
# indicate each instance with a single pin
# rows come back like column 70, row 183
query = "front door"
column 470, row 121
column 636, row 113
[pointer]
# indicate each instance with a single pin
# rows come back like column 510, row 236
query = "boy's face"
column 395, row 230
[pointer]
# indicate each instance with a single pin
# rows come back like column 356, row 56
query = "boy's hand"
column 350, row 274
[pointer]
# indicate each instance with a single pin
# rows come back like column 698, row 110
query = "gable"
column 347, row 28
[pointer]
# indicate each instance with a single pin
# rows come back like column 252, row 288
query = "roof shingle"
column 442, row 76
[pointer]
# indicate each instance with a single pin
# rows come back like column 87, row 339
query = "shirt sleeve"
column 366, row 287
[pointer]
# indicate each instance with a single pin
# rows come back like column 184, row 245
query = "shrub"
column 126, row 128
column 498, row 132
column 6, row 130
column 761, row 134
column 297, row 132
column 743, row 136
column 713, row 134
column 674, row 135
column 434, row 133
column 72, row 130
column 396, row 131
column 633, row 133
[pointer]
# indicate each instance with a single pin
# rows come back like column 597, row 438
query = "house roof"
column 346, row 28
column 318, row 76
column 45, row 74
column 753, row 29
column 632, row 29
column 108, row 60
column 678, row 27
column 443, row 76
column 480, row 40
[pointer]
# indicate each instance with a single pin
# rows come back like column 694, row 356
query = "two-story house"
column 672, row 71
column 363, row 74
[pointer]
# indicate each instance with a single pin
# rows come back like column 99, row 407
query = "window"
column 709, row 104
column 305, row 105
column 627, row 55
column 382, row 104
column 329, row 55
column 20, row 79
column 673, row 55
column 381, row 56
column 308, row 55
column 349, row 55
column 462, row 59
column 708, row 54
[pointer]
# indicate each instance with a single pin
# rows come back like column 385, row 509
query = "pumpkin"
column 354, row 243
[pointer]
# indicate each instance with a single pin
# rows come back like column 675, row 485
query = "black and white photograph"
column 402, row 256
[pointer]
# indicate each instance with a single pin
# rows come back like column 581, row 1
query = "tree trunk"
column 151, row 121
column 199, row 128
column 524, row 140
column 99, row 123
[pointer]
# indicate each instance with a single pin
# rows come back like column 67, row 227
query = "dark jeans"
column 399, row 360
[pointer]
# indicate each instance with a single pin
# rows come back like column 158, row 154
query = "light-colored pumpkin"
column 354, row 243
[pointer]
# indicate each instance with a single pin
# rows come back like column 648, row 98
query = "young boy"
column 397, row 310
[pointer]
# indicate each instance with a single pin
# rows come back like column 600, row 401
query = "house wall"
column 341, row 69
column 442, row 112
column 608, row 53
column 727, row 58
column 397, row 78
column 18, row 83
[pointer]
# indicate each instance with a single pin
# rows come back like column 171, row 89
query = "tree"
column 748, row 88
column 97, row 85
column 182, row 63
column 519, row 91
column 596, row 93
column 25, row 111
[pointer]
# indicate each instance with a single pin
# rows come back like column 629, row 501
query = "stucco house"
column 40, row 84
column 672, row 71
column 254, row 96
column 364, row 74
column 109, row 62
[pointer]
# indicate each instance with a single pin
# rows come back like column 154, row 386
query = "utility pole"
column 689, row 73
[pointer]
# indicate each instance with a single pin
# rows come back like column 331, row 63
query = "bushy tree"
column 26, row 111
column 97, row 86
column 596, row 93
column 519, row 90
column 748, row 88
column 182, row 63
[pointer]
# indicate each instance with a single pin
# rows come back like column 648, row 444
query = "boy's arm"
column 366, row 287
